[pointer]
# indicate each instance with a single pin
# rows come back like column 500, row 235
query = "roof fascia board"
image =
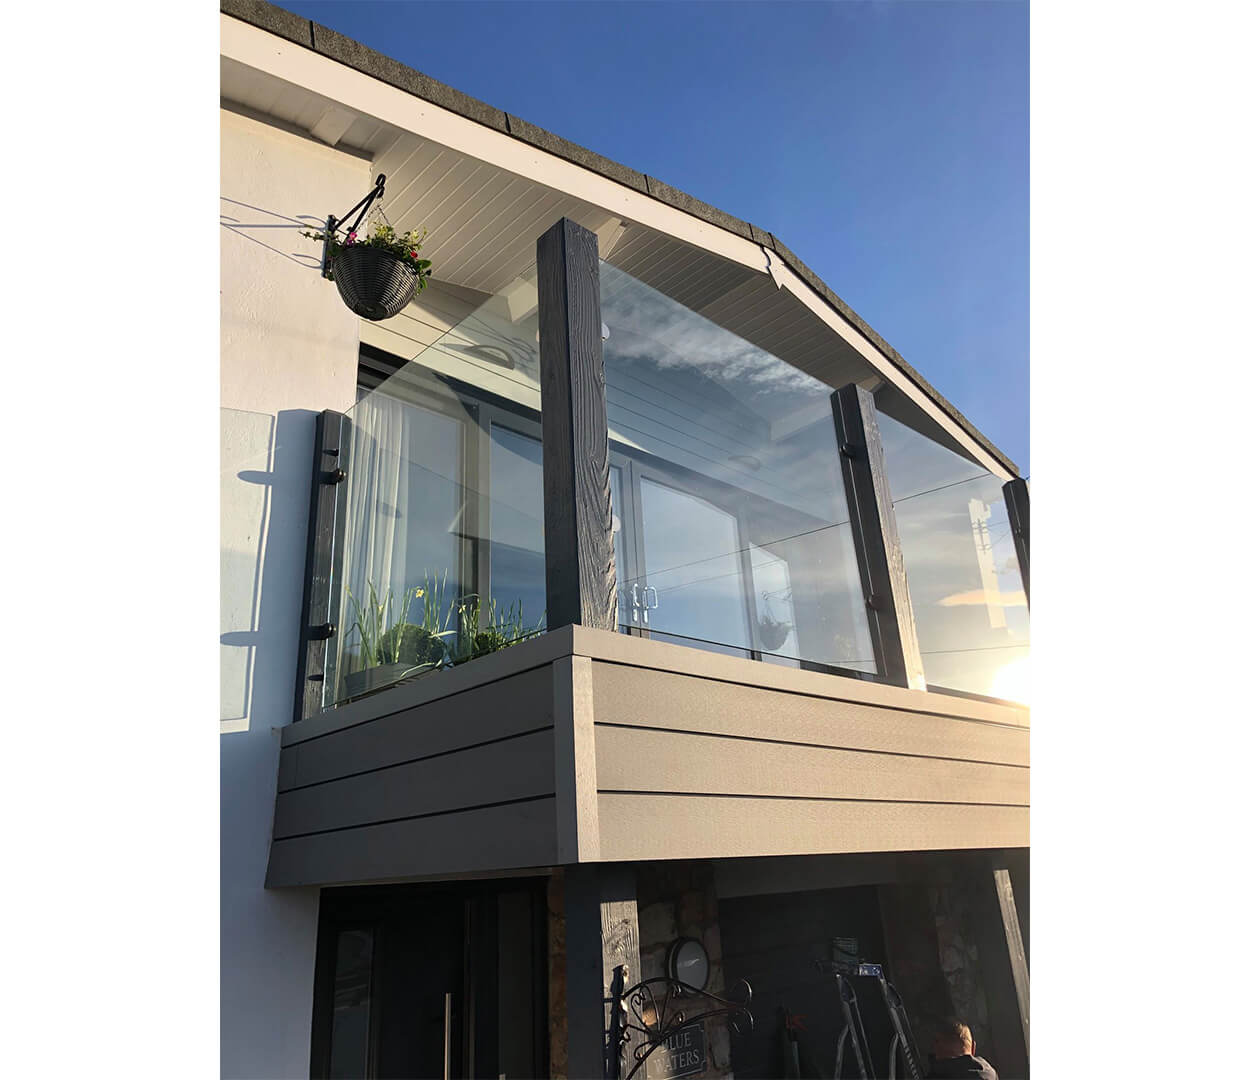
column 289, row 59
column 788, row 279
column 264, row 51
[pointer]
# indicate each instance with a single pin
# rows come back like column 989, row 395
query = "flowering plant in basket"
column 404, row 247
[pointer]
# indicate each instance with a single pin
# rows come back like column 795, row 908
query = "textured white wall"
column 288, row 350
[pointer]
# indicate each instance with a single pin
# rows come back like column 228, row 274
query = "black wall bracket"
column 334, row 224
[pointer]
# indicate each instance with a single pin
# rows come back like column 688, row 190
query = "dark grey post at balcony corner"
column 577, row 508
column 877, row 546
column 326, row 517
column 1014, row 940
column 1016, row 495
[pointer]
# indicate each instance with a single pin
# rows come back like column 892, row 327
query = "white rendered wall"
column 288, row 350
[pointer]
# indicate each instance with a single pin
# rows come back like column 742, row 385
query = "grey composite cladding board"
column 458, row 779
column 368, row 61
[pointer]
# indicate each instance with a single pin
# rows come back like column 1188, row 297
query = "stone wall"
column 954, row 906
column 679, row 900
column 674, row 900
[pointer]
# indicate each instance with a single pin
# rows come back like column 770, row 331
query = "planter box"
column 359, row 683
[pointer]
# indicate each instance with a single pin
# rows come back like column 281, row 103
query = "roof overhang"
column 487, row 185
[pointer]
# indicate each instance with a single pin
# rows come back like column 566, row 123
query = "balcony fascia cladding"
column 585, row 745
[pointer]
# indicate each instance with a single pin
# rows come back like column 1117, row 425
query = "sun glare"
column 1012, row 681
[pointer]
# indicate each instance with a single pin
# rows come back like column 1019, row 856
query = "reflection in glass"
column 624, row 585
column 518, row 567
column 349, row 1034
column 733, row 455
column 972, row 617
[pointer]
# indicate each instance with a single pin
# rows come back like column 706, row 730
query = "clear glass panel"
column 972, row 618
column 353, row 976
column 441, row 560
column 737, row 518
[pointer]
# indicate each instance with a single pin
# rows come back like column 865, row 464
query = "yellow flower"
column 420, row 593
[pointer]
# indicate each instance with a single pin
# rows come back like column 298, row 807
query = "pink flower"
column 351, row 237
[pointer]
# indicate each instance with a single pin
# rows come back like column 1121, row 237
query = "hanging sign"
column 684, row 1053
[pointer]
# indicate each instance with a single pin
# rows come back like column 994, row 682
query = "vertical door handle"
column 447, row 1036
column 653, row 597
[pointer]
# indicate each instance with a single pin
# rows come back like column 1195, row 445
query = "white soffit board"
column 374, row 100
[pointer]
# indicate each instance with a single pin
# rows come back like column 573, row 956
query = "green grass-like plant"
column 444, row 634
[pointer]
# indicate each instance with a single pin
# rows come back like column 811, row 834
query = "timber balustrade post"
column 1016, row 495
column 877, row 548
column 577, row 507
column 601, row 935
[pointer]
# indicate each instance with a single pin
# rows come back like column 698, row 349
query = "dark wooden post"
column 1016, row 495
column 601, row 936
column 326, row 518
column 877, row 547
column 577, row 507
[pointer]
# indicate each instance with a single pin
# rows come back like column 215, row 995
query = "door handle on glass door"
column 447, row 1036
column 654, row 600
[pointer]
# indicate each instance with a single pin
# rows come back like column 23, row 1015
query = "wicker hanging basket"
column 374, row 283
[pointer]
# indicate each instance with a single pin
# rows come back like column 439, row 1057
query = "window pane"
column 518, row 567
column 353, row 973
column 697, row 595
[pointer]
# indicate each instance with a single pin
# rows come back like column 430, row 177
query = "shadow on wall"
column 265, row 470
column 275, row 229
column 264, row 521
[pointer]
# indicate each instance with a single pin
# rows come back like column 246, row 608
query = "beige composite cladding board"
column 588, row 746
column 694, row 761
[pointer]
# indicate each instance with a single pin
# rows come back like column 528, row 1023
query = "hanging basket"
column 374, row 283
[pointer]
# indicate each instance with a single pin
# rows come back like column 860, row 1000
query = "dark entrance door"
column 431, row 981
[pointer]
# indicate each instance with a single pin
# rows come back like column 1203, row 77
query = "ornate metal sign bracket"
column 655, row 1010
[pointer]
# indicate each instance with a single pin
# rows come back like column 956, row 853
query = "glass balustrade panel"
column 728, row 490
column 972, row 618
column 441, row 556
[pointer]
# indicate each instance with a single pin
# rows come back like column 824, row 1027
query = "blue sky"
column 885, row 143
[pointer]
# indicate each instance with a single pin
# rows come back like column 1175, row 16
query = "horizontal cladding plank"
column 511, row 837
column 513, row 769
column 663, row 656
column 536, row 652
column 497, row 710
column 642, row 697
column 640, row 759
column 704, row 827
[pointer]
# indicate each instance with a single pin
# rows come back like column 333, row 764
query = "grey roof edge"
column 353, row 54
